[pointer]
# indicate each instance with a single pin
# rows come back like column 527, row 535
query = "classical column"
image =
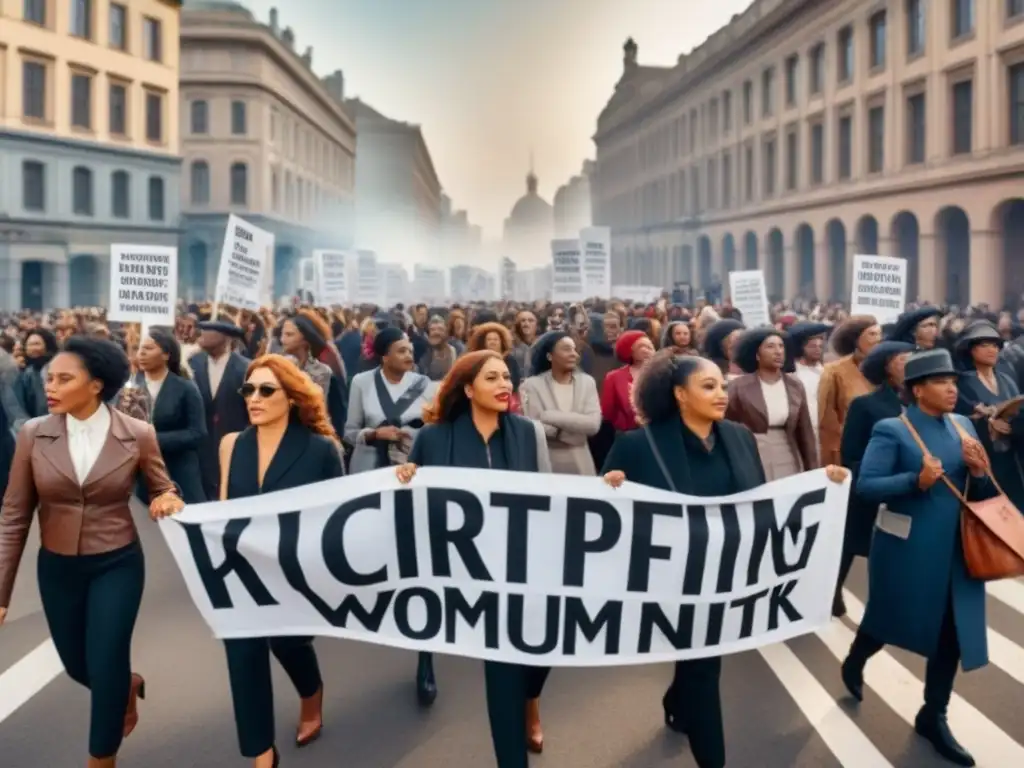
column 986, row 268
column 823, row 271
column 10, row 278
column 790, row 271
column 56, row 289
column 932, row 268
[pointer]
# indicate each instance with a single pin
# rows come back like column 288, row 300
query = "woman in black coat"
column 883, row 368
column 176, row 412
column 469, row 426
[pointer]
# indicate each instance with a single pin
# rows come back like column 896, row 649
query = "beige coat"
column 566, row 431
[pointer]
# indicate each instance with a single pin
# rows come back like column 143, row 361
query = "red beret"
column 624, row 346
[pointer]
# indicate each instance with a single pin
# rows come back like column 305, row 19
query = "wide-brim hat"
column 874, row 363
column 745, row 354
column 903, row 330
column 976, row 333
column 928, row 364
column 224, row 327
column 715, row 334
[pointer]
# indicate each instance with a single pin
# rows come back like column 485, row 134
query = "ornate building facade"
column 88, row 143
column 805, row 132
column 572, row 203
column 262, row 137
column 529, row 228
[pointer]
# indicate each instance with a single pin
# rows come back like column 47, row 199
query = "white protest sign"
column 749, row 295
column 143, row 284
column 518, row 568
column 332, row 277
column 642, row 293
column 596, row 243
column 368, row 279
column 566, row 271
column 879, row 287
column 243, row 281
column 507, row 278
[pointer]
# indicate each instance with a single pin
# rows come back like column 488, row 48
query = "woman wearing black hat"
column 920, row 596
column 719, row 343
column 842, row 381
column 303, row 342
column 982, row 390
column 919, row 327
column 772, row 404
column 883, row 368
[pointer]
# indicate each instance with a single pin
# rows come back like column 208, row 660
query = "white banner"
column 246, row 258
column 596, row 243
column 566, row 271
column 748, row 294
column 569, row 573
column 332, row 277
column 143, row 284
column 879, row 287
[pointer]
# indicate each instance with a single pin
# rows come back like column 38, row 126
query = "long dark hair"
column 170, row 347
column 451, row 401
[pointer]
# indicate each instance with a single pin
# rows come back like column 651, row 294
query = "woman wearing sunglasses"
column 290, row 443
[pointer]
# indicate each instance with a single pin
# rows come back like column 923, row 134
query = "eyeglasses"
column 266, row 391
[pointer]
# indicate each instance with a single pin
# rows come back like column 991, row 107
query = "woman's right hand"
column 615, row 478
column 387, row 434
column 405, row 473
column 930, row 473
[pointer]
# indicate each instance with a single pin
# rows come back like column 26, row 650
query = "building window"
column 726, row 180
column 200, row 117
column 35, row 12
column 694, row 128
column 238, row 118
column 876, row 139
column 199, row 183
column 816, row 71
column 770, row 169
column 33, row 186
column 915, row 27
column 118, row 109
column 845, row 54
column 879, row 32
column 792, row 69
column 275, row 191
column 817, row 153
column 156, row 198
column 749, row 175
column 120, row 194
column 1014, row 8
column 152, row 39
column 81, row 101
column 712, row 127
column 81, row 18
column 916, row 129
column 727, row 111
column 768, row 92
column 963, row 117
column 961, row 21
column 748, row 102
column 792, row 160
column 712, row 184
column 118, row 27
column 154, row 117
column 239, row 184
column 81, row 191
column 1016, row 82
column 33, row 90
column 845, row 148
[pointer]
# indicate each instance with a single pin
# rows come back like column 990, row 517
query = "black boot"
column 933, row 726
column 426, row 687
column 852, row 674
column 672, row 719
column 838, row 604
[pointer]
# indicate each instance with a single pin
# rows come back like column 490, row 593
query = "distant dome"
column 220, row 6
column 530, row 207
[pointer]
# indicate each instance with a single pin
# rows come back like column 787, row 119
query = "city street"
column 784, row 706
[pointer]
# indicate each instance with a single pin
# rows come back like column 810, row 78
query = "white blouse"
column 86, row 440
column 777, row 400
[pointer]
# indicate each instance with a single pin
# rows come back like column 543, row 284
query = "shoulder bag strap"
column 962, row 497
column 658, row 458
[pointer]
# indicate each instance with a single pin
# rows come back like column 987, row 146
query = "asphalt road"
column 785, row 706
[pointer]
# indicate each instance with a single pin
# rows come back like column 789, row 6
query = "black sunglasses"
column 266, row 391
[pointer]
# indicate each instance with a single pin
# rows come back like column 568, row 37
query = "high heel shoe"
column 426, row 686
column 534, row 733
column 311, row 710
column 131, row 714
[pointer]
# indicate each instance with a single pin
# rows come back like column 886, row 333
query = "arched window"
column 239, row 184
column 200, row 183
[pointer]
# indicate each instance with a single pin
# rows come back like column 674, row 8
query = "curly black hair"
column 103, row 360
column 543, row 347
column 653, row 400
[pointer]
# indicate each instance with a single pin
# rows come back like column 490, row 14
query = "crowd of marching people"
column 924, row 413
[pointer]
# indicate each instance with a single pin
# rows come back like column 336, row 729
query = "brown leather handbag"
column 992, row 531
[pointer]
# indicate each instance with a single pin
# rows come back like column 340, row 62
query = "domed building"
column 529, row 228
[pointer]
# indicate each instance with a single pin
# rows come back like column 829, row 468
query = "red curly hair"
column 450, row 400
column 308, row 398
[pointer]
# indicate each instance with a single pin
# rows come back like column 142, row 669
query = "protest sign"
column 596, row 243
column 748, row 294
column 566, row 271
column 245, row 261
column 879, row 287
column 143, row 284
column 332, row 277
column 493, row 565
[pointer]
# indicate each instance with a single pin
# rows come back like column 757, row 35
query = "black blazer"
column 225, row 413
column 303, row 457
column 179, row 419
column 631, row 454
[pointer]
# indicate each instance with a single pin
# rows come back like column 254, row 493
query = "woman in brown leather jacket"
column 79, row 466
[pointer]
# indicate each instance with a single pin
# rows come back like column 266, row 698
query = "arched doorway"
column 867, row 236
column 728, row 256
column 286, row 270
column 835, row 234
column 775, row 275
column 84, row 279
column 750, row 251
column 906, row 238
column 1008, row 221
column 193, row 280
column 32, row 285
column 953, row 230
column 703, row 264
column 805, row 260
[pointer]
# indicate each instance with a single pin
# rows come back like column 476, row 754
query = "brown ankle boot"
column 534, row 734
column 311, row 719
column 131, row 714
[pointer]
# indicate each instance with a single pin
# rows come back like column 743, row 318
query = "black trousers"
column 845, row 564
column 508, row 688
column 695, row 699
column 252, row 691
column 91, row 603
column 940, row 671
